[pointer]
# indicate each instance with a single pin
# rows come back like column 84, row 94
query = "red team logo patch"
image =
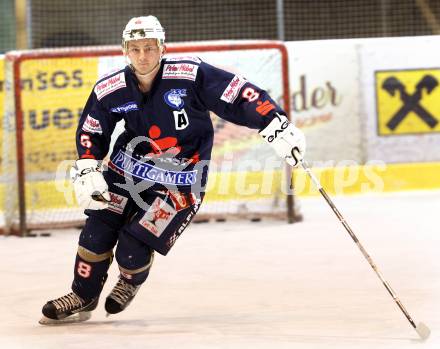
column 158, row 217
column 162, row 145
column 182, row 200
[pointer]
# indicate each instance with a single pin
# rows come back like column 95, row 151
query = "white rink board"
column 250, row 285
column 332, row 127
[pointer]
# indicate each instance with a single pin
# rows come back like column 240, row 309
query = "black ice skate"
column 120, row 297
column 67, row 309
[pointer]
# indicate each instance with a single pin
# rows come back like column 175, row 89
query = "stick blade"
column 423, row 330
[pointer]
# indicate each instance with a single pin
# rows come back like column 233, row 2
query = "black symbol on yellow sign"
column 407, row 101
column 411, row 102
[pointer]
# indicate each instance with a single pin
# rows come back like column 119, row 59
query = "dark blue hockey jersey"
column 168, row 131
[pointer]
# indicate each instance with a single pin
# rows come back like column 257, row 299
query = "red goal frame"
column 16, row 58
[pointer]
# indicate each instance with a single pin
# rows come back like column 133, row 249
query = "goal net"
column 46, row 92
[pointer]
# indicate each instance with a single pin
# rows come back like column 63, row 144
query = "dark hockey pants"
column 135, row 231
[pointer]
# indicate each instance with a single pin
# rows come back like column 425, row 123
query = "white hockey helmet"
column 146, row 27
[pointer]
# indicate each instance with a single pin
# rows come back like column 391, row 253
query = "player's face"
column 144, row 54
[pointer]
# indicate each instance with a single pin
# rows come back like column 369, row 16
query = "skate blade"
column 78, row 317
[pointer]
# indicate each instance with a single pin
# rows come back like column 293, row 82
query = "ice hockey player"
column 165, row 103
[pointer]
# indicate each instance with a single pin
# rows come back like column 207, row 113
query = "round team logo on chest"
column 174, row 98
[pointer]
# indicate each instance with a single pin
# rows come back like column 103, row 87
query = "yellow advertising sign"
column 408, row 101
column 54, row 92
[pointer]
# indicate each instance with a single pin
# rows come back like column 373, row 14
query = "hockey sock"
column 90, row 272
column 134, row 259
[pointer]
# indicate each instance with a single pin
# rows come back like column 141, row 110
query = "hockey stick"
column 422, row 330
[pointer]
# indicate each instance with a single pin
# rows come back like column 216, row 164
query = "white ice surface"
column 250, row 285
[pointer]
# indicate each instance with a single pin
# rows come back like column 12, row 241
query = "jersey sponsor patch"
column 185, row 71
column 232, row 90
column 174, row 98
column 184, row 58
column 139, row 169
column 92, row 125
column 110, row 85
column 117, row 203
column 125, row 108
column 158, row 217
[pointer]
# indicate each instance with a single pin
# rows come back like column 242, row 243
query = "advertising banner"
column 324, row 87
column 401, row 92
column 53, row 94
